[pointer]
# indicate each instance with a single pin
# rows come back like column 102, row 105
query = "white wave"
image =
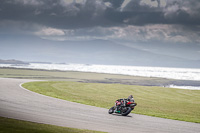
column 185, row 87
column 163, row 72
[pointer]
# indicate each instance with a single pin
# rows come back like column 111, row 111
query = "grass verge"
column 8, row 125
column 162, row 102
column 88, row 77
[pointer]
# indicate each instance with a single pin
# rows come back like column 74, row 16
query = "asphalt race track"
column 19, row 103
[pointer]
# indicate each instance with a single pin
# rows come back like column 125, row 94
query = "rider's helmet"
column 130, row 98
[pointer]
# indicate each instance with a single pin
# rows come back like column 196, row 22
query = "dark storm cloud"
column 54, row 14
column 105, row 13
column 183, row 12
column 175, row 12
column 138, row 14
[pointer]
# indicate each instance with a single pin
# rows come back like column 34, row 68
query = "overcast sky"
column 142, row 24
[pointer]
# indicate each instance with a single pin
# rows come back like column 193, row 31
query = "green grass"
column 80, row 76
column 18, row 126
column 162, row 102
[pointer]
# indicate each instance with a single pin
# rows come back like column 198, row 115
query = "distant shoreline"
column 159, row 72
column 94, row 77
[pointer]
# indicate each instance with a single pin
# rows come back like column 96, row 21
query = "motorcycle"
column 123, row 107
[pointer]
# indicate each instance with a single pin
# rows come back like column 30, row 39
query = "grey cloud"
column 175, row 12
column 54, row 14
column 27, row 2
column 149, row 33
column 158, row 1
column 97, row 19
column 115, row 3
column 183, row 12
column 91, row 13
column 81, row 34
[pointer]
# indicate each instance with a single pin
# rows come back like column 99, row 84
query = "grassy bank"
column 153, row 101
column 83, row 77
column 18, row 126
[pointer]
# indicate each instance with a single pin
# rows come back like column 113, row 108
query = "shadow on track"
column 121, row 115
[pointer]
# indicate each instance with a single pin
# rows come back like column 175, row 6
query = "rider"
column 120, row 101
column 130, row 98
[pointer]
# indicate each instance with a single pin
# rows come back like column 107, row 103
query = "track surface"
column 19, row 103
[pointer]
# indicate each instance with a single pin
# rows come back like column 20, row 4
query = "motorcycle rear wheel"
column 127, row 111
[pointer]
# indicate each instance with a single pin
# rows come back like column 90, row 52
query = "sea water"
column 162, row 72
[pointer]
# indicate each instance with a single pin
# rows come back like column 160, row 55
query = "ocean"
column 162, row 72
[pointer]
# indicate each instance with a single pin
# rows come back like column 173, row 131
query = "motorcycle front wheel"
column 111, row 110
